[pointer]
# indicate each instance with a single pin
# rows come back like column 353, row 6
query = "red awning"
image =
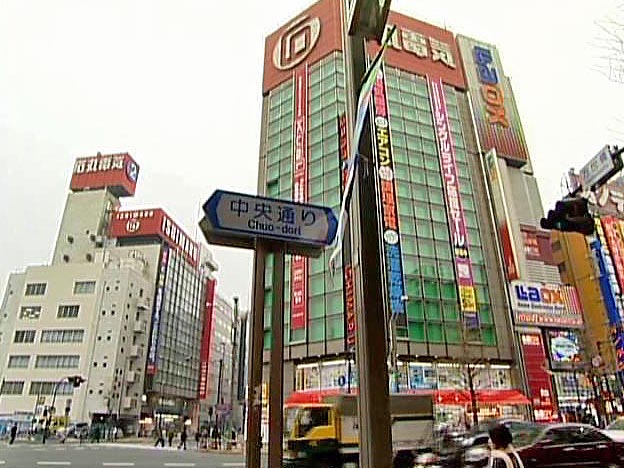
column 313, row 396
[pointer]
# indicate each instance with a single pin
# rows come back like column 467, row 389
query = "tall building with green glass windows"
column 444, row 255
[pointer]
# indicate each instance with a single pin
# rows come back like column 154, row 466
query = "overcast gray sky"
column 177, row 84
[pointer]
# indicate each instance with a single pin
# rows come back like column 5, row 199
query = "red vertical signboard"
column 204, row 354
column 299, row 264
column 349, row 295
column 610, row 226
column 540, row 384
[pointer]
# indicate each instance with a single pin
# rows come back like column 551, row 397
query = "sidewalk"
column 148, row 442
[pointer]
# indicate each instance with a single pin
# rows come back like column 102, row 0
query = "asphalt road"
column 27, row 455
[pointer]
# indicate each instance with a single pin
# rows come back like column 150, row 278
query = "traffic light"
column 75, row 380
column 570, row 215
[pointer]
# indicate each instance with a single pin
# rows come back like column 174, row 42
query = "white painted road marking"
column 59, row 449
column 233, row 464
column 53, row 463
column 2, row 462
column 117, row 464
column 179, row 464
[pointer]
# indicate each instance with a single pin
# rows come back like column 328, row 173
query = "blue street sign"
column 238, row 219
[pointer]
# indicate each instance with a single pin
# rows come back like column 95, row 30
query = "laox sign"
column 544, row 294
column 491, row 91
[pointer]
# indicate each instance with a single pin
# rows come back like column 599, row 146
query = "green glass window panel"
column 328, row 98
column 315, row 75
column 406, row 84
column 452, row 111
column 333, row 283
column 285, row 182
column 332, row 180
column 428, row 135
column 316, row 135
column 286, row 135
column 406, row 225
column 447, row 270
column 400, row 155
column 316, row 169
column 267, row 339
column 456, row 129
column 415, row 310
column 317, row 284
column 274, row 100
column 316, row 306
column 424, row 229
column 458, row 140
column 273, row 172
column 425, row 118
column 285, row 152
column 315, row 105
column 473, row 237
column 476, row 256
column 409, row 113
column 420, row 88
column 396, row 124
column 316, row 330
column 429, row 146
column 272, row 157
column 405, row 207
column 417, row 175
column 432, row 311
column 398, row 139
column 443, row 250
column 315, row 199
column 422, row 103
column 432, row 164
column 333, row 303
column 401, row 171
column 335, row 327
column 394, row 95
column 330, row 145
column 425, row 248
column 413, row 287
column 421, row 211
column 417, row 160
column 273, row 189
column 438, row 214
column 449, row 291
column 471, row 220
column 274, row 114
column 483, row 294
column 411, row 129
column 419, row 192
column 407, row 99
column 453, row 333
column 435, row 333
column 462, row 170
column 432, row 289
column 413, row 142
column 436, row 196
column 403, row 189
column 285, row 166
column 417, row 331
column 316, row 152
column 298, row 335
column 467, row 203
column 273, row 142
column 316, row 265
column 451, row 311
column 332, row 197
column 479, row 274
column 488, row 335
column 330, row 123
column 434, row 180
column 315, row 186
column 464, row 187
column 315, row 90
column 408, row 245
column 410, row 265
column 267, row 317
column 460, row 155
column 428, row 267
column 485, row 314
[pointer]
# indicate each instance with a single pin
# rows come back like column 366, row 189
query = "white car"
column 615, row 430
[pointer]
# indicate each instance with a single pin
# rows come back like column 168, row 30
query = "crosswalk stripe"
column 117, row 464
column 179, row 464
column 53, row 463
column 233, row 463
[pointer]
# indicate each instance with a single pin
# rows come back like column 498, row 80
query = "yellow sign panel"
column 467, row 298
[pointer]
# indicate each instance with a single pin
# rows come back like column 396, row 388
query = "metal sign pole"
column 254, row 391
column 276, row 376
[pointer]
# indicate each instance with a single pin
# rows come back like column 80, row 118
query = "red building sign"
column 540, row 384
column 154, row 222
column 204, row 354
column 117, row 172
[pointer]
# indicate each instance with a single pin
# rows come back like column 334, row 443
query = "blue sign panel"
column 249, row 216
column 605, row 285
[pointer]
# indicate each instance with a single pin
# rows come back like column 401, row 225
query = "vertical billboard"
column 540, row 384
column 450, row 179
column 494, row 108
column 564, row 347
column 612, row 233
column 390, row 218
column 501, row 215
column 159, row 299
column 608, row 295
column 347, row 268
column 299, row 263
column 204, row 353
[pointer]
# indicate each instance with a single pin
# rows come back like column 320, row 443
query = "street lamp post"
column 219, row 383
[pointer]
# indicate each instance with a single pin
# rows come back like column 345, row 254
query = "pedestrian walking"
column 170, row 435
column 13, row 433
column 197, row 438
column 183, row 437
column 160, row 440
column 502, row 453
